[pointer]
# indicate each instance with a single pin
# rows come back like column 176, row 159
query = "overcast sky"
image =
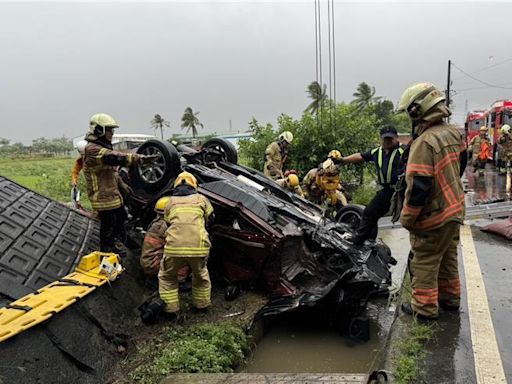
column 62, row 62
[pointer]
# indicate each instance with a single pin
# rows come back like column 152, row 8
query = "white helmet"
column 505, row 130
column 80, row 146
column 418, row 99
column 99, row 122
column 286, row 136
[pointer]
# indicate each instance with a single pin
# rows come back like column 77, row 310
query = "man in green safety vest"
column 388, row 162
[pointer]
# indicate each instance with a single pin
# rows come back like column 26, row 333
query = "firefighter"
column 276, row 154
column 481, row 149
column 187, row 243
column 79, row 163
column 387, row 159
column 505, row 141
column 104, row 186
column 154, row 242
column 434, row 202
column 291, row 182
column 322, row 185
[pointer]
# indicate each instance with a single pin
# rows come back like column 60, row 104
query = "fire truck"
column 474, row 120
column 498, row 115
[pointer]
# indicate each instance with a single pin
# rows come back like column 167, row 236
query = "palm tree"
column 318, row 95
column 364, row 96
column 158, row 122
column 190, row 121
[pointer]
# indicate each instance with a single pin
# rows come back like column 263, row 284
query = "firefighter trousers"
column 435, row 269
column 168, row 282
column 376, row 209
column 111, row 228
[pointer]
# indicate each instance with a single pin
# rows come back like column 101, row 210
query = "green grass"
column 201, row 348
column 410, row 350
column 50, row 177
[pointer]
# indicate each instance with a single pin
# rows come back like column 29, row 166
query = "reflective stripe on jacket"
column 387, row 176
column 101, row 178
column 187, row 235
column 435, row 154
column 153, row 246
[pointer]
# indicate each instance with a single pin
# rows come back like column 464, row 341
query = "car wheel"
column 218, row 149
column 154, row 176
column 351, row 215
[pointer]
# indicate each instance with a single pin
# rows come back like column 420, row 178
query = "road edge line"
column 488, row 364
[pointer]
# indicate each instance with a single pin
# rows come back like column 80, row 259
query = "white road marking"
column 488, row 366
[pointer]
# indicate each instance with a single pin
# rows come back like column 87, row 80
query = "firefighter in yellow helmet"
column 481, row 150
column 154, row 241
column 505, row 142
column 433, row 209
column 187, row 242
column 276, row 154
column 104, row 185
column 387, row 159
column 291, row 182
column 322, row 185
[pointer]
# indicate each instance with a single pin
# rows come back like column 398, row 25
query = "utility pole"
column 448, row 86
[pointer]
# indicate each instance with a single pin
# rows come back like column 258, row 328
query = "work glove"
column 148, row 159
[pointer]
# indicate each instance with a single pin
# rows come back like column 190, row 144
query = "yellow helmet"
column 99, row 122
column 161, row 203
column 483, row 129
column 418, row 99
column 186, row 178
column 293, row 180
column 286, row 136
column 334, row 154
column 505, row 130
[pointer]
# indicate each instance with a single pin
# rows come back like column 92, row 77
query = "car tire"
column 351, row 215
column 220, row 150
column 152, row 178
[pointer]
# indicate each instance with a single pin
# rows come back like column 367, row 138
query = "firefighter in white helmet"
column 433, row 209
column 276, row 154
column 104, row 185
column 505, row 142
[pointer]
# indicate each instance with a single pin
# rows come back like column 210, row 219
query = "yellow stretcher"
column 94, row 270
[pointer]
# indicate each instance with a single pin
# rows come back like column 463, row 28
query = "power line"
column 333, row 55
column 479, row 80
column 316, row 41
column 487, row 67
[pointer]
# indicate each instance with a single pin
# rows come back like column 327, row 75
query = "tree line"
column 325, row 125
column 40, row 146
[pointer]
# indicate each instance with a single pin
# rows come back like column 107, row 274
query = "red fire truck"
column 499, row 115
column 474, row 120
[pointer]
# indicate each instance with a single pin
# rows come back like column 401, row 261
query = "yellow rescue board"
column 94, row 270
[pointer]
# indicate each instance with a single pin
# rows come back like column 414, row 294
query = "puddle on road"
column 298, row 346
column 487, row 188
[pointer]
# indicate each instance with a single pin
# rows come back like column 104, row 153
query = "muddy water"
column 296, row 345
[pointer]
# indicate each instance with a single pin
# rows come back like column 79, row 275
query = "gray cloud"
column 62, row 62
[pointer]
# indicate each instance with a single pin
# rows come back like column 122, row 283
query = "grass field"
column 50, row 177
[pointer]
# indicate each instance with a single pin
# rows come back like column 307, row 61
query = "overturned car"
column 267, row 236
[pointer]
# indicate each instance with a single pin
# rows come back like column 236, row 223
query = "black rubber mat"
column 40, row 240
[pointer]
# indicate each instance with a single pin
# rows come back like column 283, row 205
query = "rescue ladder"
column 94, row 270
